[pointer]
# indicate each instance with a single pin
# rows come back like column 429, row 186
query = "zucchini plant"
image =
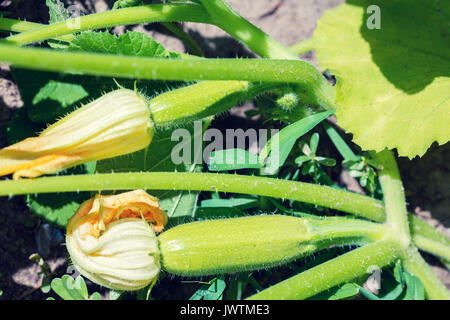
column 116, row 102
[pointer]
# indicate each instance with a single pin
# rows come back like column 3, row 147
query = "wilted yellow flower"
column 110, row 242
column 115, row 124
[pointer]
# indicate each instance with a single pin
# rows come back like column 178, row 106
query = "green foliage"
column 364, row 169
column 213, row 290
column 311, row 163
column 126, row 3
column 405, row 287
column 57, row 11
column 69, row 288
column 345, row 291
column 233, row 159
column 232, row 207
column 130, row 43
column 284, row 141
column 392, row 82
column 273, row 154
column 343, row 148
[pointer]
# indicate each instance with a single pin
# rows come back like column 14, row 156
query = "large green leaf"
column 392, row 83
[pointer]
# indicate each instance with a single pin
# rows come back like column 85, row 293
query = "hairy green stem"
column 427, row 238
column 244, row 31
column 393, row 192
column 397, row 219
column 432, row 246
column 414, row 263
column 347, row 267
column 423, row 234
column 319, row 195
column 127, row 16
column 14, row 25
column 302, row 73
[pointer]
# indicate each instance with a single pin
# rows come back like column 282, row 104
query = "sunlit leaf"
column 392, row 83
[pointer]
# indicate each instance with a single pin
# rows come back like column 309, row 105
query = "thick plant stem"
column 244, row 31
column 394, row 196
column 342, row 269
column 127, row 16
column 424, row 236
column 315, row 194
column 397, row 219
column 427, row 238
column 13, row 25
column 434, row 288
column 299, row 72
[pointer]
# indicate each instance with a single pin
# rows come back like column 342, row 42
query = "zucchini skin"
column 232, row 245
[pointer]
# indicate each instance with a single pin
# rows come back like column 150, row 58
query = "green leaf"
column 314, row 142
column 369, row 295
column 211, row 291
column 233, row 159
column 115, row 294
column 326, row 161
column 392, row 83
column 126, row 3
column 394, row 293
column 130, row 43
column 70, row 289
column 281, row 144
column 398, row 272
column 343, row 148
column 345, row 291
column 243, row 203
column 414, row 288
column 301, row 159
column 56, row 11
column 95, row 296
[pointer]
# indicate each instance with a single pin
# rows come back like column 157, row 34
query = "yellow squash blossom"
column 110, row 242
column 115, row 124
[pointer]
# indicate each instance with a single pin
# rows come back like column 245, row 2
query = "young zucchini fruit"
column 203, row 99
column 233, row 245
column 110, row 242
